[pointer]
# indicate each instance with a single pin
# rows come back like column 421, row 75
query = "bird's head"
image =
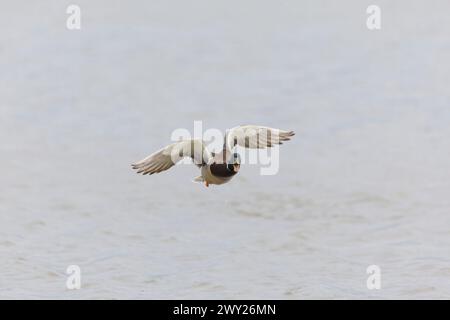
column 235, row 163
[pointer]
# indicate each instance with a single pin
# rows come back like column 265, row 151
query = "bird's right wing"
column 168, row 156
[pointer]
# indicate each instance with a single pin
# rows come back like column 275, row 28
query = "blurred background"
column 364, row 182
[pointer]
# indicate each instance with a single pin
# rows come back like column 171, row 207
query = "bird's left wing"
column 255, row 137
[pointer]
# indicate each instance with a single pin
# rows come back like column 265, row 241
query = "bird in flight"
column 215, row 168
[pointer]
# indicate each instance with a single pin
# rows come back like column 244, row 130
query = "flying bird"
column 215, row 168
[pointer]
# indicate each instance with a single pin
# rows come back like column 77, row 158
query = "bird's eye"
column 236, row 158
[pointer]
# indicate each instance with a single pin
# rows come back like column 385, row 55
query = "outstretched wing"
column 167, row 157
column 256, row 137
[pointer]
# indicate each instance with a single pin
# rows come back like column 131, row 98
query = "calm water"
column 365, row 181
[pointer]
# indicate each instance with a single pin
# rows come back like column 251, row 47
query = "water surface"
column 365, row 181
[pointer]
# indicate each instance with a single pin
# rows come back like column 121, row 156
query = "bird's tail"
column 198, row 179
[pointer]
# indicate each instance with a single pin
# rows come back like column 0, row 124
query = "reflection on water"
column 364, row 181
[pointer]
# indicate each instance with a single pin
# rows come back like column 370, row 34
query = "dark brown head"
column 235, row 163
column 226, row 169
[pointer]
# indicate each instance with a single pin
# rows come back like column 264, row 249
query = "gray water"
column 364, row 182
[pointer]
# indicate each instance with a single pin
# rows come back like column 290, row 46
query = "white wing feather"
column 256, row 137
column 168, row 156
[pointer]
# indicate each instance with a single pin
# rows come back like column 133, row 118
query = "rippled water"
column 365, row 181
